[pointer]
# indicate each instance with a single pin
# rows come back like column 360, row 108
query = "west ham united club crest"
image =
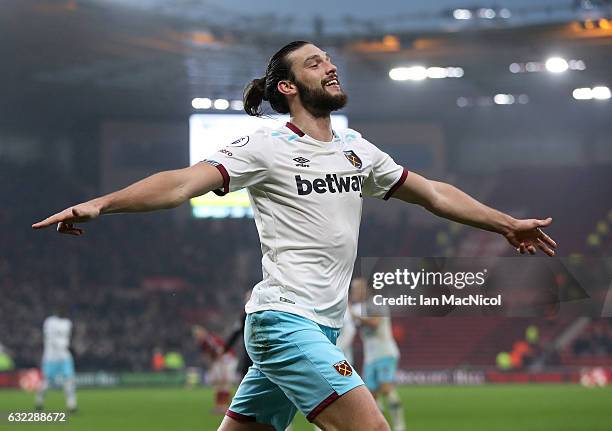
column 343, row 367
column 353, row 158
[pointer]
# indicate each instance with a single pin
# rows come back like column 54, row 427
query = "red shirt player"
column 222, row 368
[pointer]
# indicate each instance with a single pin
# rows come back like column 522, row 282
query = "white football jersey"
column 307, row 198
column 378, row 342
column 56, row 333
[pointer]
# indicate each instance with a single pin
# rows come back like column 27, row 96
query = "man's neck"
column 318, row 128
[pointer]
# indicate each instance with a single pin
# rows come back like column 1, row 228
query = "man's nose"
column 330, row 68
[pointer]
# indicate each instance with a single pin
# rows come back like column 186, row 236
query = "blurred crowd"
column 595, row 340
column 134, row 284
column 113, row 281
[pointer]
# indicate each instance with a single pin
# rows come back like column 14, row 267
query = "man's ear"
column 286, row 87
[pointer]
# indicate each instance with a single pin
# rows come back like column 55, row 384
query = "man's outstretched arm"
column 163, row 190
column 449, row 202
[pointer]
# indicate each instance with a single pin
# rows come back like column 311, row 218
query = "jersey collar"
column 295, row 129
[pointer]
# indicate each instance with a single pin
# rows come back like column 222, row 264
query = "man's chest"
column 316, row 172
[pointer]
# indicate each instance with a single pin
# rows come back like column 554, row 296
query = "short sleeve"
column 242, row 163
column 385, row 177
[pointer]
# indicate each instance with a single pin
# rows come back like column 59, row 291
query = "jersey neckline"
column 295, row 129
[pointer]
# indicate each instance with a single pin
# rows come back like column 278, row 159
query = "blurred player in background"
column 380, row 355
column 244, row 362
column 57, row 361
column 222, row 366
column 6, row 362
column 306, row 183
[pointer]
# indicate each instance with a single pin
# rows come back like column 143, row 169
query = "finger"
column 522, row 248
column 68, row 228
column 545, row 222
column 542, row 246
column 542, row 236
column 64, row 216
column 531, row 249
column 48, row 221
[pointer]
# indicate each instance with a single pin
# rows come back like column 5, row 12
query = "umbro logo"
column 302, row 162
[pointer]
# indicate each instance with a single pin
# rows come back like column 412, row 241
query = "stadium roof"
column 70, row 60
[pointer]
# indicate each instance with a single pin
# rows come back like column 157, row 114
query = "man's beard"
column 318, row 101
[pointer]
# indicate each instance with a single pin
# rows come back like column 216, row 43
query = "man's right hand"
column 66, row 219
column 162, row 190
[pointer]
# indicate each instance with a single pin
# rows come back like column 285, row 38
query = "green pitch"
column 431, row 408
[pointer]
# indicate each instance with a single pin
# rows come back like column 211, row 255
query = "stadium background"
column 96, row 94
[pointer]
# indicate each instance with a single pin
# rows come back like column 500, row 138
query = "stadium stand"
column 138, row 282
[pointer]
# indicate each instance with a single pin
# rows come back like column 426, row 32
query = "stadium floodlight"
column 486, row 13
column 437, row 72
column 462, row 14
column 601, row 93
column 503, row 99
column 586, row 4
column 582, row 94
column 556, row 65
column 489, row 101
column 455, row 72
column 505, row 13
column 553, row 65
column 201, row 103
column 414, row 73
column 237, row 105
column 221, row 104
column 462, row 102
column 532, row 66
column 515, row 68
column 419, row 73
column 576, row 65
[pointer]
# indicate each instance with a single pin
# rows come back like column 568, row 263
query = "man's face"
column 317, row 81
